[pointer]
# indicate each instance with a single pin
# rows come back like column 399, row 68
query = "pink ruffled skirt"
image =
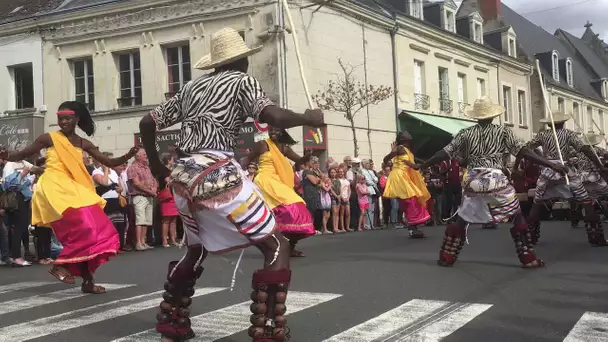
column 415, row 213
column 86, row 234
column 294, row 219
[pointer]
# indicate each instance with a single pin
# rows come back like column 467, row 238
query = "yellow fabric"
column 276, row 187
column 465, row 173
column 281, row 164
column 64, row 184
column 404, row 182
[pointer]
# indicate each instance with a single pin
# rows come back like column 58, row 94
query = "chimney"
column 490, row 9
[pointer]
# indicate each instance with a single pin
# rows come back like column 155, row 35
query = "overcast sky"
column 569, row 15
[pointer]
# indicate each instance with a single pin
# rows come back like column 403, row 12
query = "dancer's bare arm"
column 289, row 153
column 94, row 152
column 255, row 153
column 396, row 151
column 285, row 118
column 42, row 142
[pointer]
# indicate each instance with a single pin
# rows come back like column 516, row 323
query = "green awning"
column 447, row 124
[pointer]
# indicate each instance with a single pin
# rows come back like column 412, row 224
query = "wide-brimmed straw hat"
column 483, row 109
column 227, row 46
column 558, row 117
column 593, row 138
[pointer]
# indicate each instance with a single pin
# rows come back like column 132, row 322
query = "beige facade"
column 429, row 56
column 125, row 56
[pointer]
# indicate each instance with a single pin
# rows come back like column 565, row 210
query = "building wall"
column 116, row 126
column 324, row 37
column 518, row 81
column 15, row 50
column 413, row 47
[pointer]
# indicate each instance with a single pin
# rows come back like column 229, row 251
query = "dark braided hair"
column 85, row 121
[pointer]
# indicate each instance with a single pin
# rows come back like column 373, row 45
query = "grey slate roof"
column 597, row 66
column 75, row 4
column 535, row 40
column 13, row 10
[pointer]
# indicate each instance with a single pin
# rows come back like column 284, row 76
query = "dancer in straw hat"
column 488, row 195
column 592, row 178
column 552, row 185
column 222, row 210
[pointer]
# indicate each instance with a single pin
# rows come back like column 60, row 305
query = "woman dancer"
column 407, row 185
column 275, row 178
column 65, row 197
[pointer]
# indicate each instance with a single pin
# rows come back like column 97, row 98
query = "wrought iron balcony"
column 421, row 101
column 445, row 106
column 462, row 107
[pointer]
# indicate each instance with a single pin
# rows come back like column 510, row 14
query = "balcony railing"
column 445, row 106
column 421, row 101
column 462, row 107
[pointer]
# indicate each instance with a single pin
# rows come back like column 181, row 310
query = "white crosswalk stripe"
column 592, row 327
column 417, row 320
column 50, row 298
column 85, row 316
column 228, row 321
column 22, row 286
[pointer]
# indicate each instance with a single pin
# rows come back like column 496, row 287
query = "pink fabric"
column 167, row 204
column 364, row 206
column 86, row 234
column 294, row 219
column 415, row 213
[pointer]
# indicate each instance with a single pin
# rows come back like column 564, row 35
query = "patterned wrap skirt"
column 488, row 197
column 595, row 185
column 221, row 209
column 552, row 185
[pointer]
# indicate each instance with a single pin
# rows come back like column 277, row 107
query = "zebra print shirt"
column 586, row 164
column 212, row 109
column 569, row 143
column 484, row 146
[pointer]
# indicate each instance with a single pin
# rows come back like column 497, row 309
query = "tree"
column 348, row 96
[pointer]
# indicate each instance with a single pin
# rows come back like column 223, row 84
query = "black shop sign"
column 166, row 141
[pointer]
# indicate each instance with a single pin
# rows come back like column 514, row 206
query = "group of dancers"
column 223, row 210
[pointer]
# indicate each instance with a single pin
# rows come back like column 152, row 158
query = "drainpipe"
column 281, row 56
column 393, row 33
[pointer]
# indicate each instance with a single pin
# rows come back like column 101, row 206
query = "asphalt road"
column 358, row 287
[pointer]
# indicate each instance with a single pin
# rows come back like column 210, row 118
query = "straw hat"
column 558, row 117
column 594, row 138
column 483, row 108
column 227, row 46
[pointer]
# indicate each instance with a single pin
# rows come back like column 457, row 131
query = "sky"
column 569, row 15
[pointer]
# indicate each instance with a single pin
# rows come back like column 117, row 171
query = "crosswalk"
column 417, row 320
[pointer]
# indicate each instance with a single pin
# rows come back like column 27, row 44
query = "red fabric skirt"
column 415, row 213
column 86, row 234
column 294, row 219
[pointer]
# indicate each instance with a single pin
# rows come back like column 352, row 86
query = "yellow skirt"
column 275, row 192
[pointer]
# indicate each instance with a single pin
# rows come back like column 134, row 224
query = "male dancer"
column 221, row 209
column 593, row 181
column 488, row 195
column 551, row 185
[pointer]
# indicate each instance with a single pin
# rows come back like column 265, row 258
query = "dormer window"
column 416, row 9
column 512, row 48
column 476, row 25
column 605, row 89
column 448, row 9
column 450, row 21
column 569, row 75
column 555, row 65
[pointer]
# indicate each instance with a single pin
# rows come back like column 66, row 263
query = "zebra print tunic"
column 569, row 143
column 586, row 164
column 484, row 146
column 212, row 109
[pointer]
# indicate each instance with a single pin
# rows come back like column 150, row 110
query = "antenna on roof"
column 588, row 24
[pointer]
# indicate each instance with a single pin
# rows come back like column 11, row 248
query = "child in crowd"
column 362, row 194
column 336, row 206
column 344, row 200
column 325, row 200
column 168, row 208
